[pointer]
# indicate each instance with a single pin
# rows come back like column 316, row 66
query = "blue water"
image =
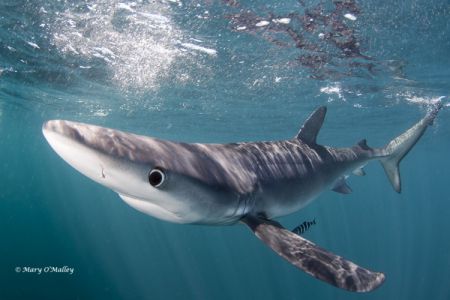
column 203, row 71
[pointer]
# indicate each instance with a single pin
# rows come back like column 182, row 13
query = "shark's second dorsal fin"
column 310, row 129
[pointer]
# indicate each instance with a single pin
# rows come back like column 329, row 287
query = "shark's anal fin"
column 312, row 259
column 342, row 187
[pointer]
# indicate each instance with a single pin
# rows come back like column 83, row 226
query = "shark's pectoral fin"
column 312, row 259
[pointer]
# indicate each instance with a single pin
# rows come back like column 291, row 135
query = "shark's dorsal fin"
column 310, row 129
column 312, row 259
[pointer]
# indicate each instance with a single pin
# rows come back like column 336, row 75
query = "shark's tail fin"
column 401, row 145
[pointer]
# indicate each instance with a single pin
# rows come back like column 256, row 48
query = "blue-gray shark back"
column 226, row 183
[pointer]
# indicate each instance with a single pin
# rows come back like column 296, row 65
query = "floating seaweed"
column 323, row 35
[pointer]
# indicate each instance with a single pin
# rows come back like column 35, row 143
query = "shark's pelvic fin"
column 396, row 150
column 312, row 259
column 310, row 129
column 359, row 172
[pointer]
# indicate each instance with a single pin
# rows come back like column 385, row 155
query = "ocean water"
column 220, row 71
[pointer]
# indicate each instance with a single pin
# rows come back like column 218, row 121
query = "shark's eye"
column 156, row 177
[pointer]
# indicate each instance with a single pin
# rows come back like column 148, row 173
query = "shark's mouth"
column 152, row 209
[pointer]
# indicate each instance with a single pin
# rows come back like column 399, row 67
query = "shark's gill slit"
column 156, row 177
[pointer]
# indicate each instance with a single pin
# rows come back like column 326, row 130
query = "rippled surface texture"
column 216, row 72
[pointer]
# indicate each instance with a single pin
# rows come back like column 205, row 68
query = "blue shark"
column 222, row 184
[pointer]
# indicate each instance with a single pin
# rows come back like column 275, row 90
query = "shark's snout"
column 69, row 140
column 76, row 132
column 52, row 128
column 80, row 145
column 56, row 126
column 104, row 155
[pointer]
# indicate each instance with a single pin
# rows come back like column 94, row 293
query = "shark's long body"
column 226, row 183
